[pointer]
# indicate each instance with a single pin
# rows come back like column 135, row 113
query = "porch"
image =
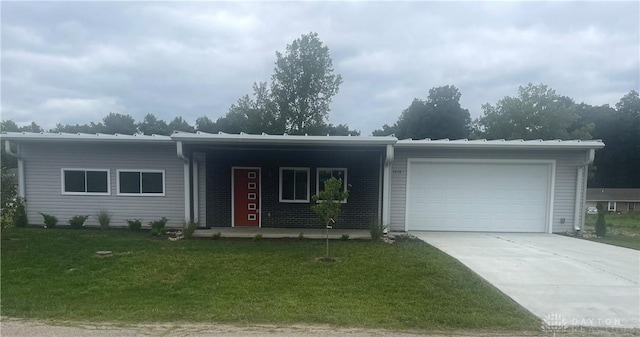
column 282, row 233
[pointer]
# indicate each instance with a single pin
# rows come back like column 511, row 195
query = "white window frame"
column 344, row 183
column 609, row 204
column 280, row 185
column 62, row 180
column 141, row 194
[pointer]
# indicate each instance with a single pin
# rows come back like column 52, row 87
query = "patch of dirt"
column 37, row 328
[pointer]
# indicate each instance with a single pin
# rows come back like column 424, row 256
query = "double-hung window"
column 324, row 174
column 85, row 182
column 294, row 184
column 141, row 182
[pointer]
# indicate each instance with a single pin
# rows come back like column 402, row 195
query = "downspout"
column 7, row 149
column 583, row 169
column 386, row 193
column 185, row 160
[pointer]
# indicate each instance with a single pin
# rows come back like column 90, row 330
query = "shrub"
column 104, row 218
column 20, row 214
column 158, row 226
column 134, row 224
column 216, row 236
column 8, row 197
column 301, row 236
column 50, row 221
column 376, row 230
column 258, row 237
column 601, row 225
column 77, row 221
column 344, row 237
column 188, row 229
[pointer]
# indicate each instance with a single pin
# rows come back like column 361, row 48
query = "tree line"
column 297, row 101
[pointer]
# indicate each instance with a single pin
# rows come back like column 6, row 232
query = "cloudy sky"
column 73, row 62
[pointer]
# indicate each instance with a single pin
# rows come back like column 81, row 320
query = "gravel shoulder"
column 34, row 328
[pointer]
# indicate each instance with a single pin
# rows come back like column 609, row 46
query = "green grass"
column 622, row 229
column 54, row 274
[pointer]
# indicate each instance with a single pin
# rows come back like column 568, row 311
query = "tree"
column 179, row 124
column 618, row 163
column 328, row 204
column 439, row 116
column 303, row 84
column 538, row 112
column 151, row 125
column 118, row 123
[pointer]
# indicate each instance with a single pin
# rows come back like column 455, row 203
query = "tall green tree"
column 439, row 116
column 538, row 112
column 618, row 163
column 179, row 124
column 303, row 84
column 119, row 123
column 151, row 125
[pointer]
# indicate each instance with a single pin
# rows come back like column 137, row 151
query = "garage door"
column 487, row 196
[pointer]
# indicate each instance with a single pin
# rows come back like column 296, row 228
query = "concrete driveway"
column 564, row 281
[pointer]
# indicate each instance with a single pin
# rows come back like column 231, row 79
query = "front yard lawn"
column 622, row 229
column 55, row 274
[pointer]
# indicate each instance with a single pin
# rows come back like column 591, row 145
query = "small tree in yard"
column 328, row 204
column 601, row 225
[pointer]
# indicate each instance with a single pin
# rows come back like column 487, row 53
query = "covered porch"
column 267, row 182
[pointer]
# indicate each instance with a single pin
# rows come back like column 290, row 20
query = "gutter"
column 581, row 190
column 386, row 193
column 186, row 171
column 9, row 151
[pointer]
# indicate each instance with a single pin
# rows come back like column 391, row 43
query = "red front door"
column 246, row 197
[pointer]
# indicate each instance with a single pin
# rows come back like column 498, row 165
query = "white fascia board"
column 502, row 144
column 281, row 139
column 84, row 137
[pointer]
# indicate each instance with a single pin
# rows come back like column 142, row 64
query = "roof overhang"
column 83, row 137
column 289, row 140
column 501, row 144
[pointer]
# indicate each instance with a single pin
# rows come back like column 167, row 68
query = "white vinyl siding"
column 44, row 162
column 567, row 162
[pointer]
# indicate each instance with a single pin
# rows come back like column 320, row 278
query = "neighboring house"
column 223, row 180
column 614, row 199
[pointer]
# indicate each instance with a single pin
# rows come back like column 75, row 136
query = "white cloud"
column 84, row 60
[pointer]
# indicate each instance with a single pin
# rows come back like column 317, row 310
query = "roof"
column 613, row 194
column 501, row 144
column 266, row 139
column 84, row 137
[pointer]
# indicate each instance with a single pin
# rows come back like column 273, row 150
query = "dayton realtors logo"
column 554, row 323
column 557, row 323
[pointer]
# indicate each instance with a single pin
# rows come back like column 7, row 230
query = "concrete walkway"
column 282, row 233
column 564, row 281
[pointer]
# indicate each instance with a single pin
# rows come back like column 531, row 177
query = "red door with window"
column 246, row 197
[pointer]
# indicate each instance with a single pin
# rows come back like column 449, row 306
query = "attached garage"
column 489, row 185
column 479, row 195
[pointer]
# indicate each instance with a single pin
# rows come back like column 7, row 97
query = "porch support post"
column 187, row 185
column 386, row 186
column 581, row 190
column 196, row 189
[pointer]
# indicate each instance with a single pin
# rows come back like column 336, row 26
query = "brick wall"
column 363, row 176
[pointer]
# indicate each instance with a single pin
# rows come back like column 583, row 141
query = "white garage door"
column 464, row 196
